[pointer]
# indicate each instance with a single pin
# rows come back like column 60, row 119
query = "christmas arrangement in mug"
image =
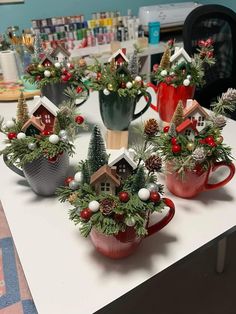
column 120, row 75
column 113, row 194
column 193, row 141
column 46, row 132
column 177, row 68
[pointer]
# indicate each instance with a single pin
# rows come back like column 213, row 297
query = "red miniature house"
column 47, row 111
column 119, row 57
column 47, row 61
column 188, row 128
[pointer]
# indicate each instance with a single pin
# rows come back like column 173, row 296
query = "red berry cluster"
column 209, row 140
column 176, row 148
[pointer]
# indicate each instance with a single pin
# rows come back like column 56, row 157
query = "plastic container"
column 154, row 32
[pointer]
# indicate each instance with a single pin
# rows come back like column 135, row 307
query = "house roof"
column 105, row 171
column 187, row 124
column 45, row 102
column 118, row 52
column 117, row 155
column 180, row 52
column 36, row 122
column 61, row 49
column 194, row 106
column 47, row 57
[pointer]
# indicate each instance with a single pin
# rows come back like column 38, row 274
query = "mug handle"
column 165, row 220
column 87, row 94
column 209, row 186
column 13, row 167
column 148, row 97
column 156, row 88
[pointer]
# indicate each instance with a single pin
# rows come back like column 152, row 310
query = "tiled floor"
column 190, row 287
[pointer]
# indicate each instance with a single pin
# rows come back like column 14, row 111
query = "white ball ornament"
column 130, row 221
column 106, row 92
column 138, row 78
column 57, row 65
column 163, row 73
column 186, row 82
column 78, row 176
column 74, row 185
column 21, row 136
column 54, row 139
column 189, row 77
column 144, row 194
column 93, row 206
column 31, row 146
column 47, row 73
column 129, row 85
column 10, row 124
column 62, row 133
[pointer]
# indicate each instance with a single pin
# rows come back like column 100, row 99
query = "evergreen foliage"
column 138, row 180
column 97, row 156
column 133, row 66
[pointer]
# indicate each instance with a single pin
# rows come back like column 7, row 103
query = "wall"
column 21, row 14
column 229, row 3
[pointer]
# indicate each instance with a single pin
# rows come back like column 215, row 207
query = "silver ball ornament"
column 62, row 133
column 144, row 194
column 32, row 146
column 54, row 139
column 94, row 206
column 130, row 221
column 21, row 136
column 74, row 185
column 153, row 187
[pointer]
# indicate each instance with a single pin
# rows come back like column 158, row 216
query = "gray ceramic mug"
column 43, row 176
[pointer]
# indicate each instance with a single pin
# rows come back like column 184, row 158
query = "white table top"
column 63, row 270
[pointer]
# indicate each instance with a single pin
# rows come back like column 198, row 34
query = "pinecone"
column 219, row 121
column 106, row 206
column 72, row 198
column 199, row 154
column 151, row 127
column 153, row 163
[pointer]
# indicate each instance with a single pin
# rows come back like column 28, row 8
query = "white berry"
column 78, row 176
column 106, row 92
column 47, row 73
column 54, row 139
column 138, row 78
column 144, row 194
column 10, row 124
column 93, row 206
column 186, row 82
column 57, row 65
column 21, row 136
column 129, row 85
column 163, row 73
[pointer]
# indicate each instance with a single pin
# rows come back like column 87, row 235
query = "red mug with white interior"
column 125, row 243
column 167, row 98
column 196, row 181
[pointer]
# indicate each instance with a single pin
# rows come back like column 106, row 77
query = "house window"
column 201, row 121
column 188, row 132
column 47, row 118
column 105, row 187
column 122, row 168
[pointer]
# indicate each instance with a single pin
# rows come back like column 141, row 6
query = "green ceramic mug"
column 117, row 112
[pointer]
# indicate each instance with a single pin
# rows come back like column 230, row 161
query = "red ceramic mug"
column 194, row 182
column 125, row 243
column 168, row 97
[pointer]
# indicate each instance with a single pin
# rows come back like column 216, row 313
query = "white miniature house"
column 194, row 111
